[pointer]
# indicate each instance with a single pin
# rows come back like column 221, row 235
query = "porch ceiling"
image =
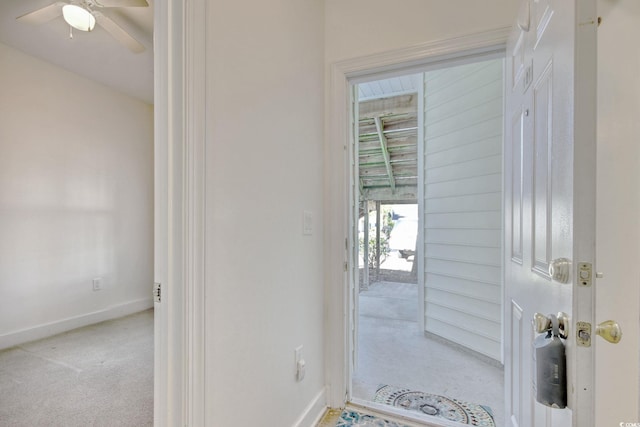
column 388, row 151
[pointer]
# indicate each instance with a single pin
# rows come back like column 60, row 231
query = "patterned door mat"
column 351, row 418
column 435, row 405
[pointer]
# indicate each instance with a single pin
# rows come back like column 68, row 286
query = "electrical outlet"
column 97, row 284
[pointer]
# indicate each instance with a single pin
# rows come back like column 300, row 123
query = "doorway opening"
column 427, row 295
column 76, row 325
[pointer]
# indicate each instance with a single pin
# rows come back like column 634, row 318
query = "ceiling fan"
column 84, row 14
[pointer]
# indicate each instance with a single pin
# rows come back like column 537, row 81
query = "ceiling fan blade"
column 42, row 15
column 121, row 3
column 119, row 33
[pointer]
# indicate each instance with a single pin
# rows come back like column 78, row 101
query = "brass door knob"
column 560, row 270
column 610, row 331
column 542, row 323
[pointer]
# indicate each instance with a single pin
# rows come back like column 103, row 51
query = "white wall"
column 463, row 205
column 356, row 28
column 76, row 200
column 618, row 206
column 264, row 284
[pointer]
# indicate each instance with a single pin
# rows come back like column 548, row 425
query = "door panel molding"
column 542, row 214
column 517, row 185
column 516, row 375
column 544, row 12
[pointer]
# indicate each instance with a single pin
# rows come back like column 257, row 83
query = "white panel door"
column 549, row 198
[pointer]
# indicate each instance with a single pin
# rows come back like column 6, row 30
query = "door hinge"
column 346, row 266
column 346, row 243
column 157, row 292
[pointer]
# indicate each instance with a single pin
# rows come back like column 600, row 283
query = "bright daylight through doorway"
column 428, row 179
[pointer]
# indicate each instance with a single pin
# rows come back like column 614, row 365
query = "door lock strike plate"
column 585, row 274
column 583, row 334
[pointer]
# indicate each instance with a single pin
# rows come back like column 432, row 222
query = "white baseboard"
column 48, row 329
column 314, row 411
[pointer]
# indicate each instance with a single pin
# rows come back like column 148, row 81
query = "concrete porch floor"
column 393, row 350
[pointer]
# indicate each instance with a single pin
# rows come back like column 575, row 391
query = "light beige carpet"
column 99, row 375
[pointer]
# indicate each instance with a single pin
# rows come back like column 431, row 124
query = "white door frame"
column 342, row 74
column 180, row 132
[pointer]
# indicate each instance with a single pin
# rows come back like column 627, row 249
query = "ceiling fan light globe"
column 78, row 17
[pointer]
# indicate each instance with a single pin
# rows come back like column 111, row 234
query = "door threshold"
column 398, row 415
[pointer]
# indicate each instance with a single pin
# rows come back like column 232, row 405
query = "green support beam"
column 385, row 153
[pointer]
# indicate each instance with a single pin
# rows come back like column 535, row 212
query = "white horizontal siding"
column 463, row 186
column 466, row 133
column 441, row 126
column 480, row 202
column 487, row 220
column 478, row 149
column 470, row 339
column 473, row 81
column 482, row 238
column 459, row 314
column 472, row 271
column 475, row 322
column 470, row 287
column 450, row 104
column 487, row 165
column 463, row 205
column 473, row 254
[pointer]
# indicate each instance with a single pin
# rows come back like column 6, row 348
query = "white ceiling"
column 95, row 55
column 389, row 87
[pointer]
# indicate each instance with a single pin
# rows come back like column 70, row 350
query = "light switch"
column 307, row 223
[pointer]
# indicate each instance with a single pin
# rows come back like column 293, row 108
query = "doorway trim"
column 337, row 236
column 179, row 222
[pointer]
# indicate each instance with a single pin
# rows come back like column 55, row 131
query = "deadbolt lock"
column 609, row 330
column 583, row 334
